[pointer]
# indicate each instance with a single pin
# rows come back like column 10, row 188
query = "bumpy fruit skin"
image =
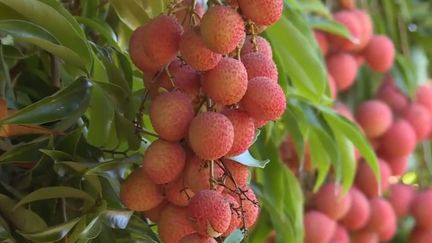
column 171, row 114
column 222, row 29
column 154, row 213
column 244, row 131
column 257, row 65
column 318, row 227
column 263, row 47
column 391, row 95
column 139, row 193
column 197, row 174
column 174, row 224
column 162, row 39
column 340, row 235
column 137, row 53
column 235, row 216
column 178, row 193
column 322, row 42
column 358, row 214
column 398, row 166
column 249, row 202
column 420, row 209
column 352, row 23
column 330, row 201
column 366, row 181
column 343, row 68
column 382, row 219
column 380, row 53
column 211, row 135
column 424, row 96
column 399, row 140
column 210, row 213
column 400, row 197
column 420, row 119
column 262, row 12
column 364, row 237
column 185, row 78
column 164, row 161
column 226, row 84
column 197, row 238
column 375, row 117
column 195, row 52
column 268, row 107
column 366, row 26
column 419, row 235
column 239, row 172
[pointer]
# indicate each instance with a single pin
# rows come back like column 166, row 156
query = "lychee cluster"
column 344, row 56
column 212, row 83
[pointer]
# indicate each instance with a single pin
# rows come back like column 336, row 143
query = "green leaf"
column 102, row 28
column 247, row 159
column 24, row 152
column 329, row 26
column 52, row 234
column 70, row 100
column 57, row 192
column 131, row 12
column 117, row 219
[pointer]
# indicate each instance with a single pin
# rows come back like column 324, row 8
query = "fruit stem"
column 170, row 77
column 212, row 180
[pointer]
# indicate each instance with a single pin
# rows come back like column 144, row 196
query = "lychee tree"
column 215, row 121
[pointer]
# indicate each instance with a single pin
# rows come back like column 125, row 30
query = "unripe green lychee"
column 139, row 193
column 239, row 172
column 174, row 224
column 222, row 36
column 420, row 119
column 164, row 161
column 195, row 52
column 353, row 25
column 318, row 227
column 329, row 200
column 262, row 12
column 178, row 193
column 209, row 213
column 399, row 140
column 162, row 39
column 400, row 197
column 257, row 65
column 211, row 135
column 380, row 53
column 374, row 117
column 263, row 47
column 268, row 107
column 244, row 131
column 171, row 114
column 321, row 40
column 197, row 174
column 420, row 209
column 343, row 68
column 382, row 219
column 358, row 214
column 197, row 238
column 226, row 84
column 366, row 181
column 235, row 216
column 137, row 53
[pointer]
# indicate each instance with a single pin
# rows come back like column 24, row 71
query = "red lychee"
column 375, row 118
column 197, row 174
column 424, row 96
column 171, row 114
column 398, row 166
column 380, row 53
column 343, row 68
column 391, row 95
column 262, row 12
column 340, row 235
column 321, row 40
column 400, row 197
column 353, row 25
column 248, row 200
column 420, row 119
column 154, row 213
column 366, row 26
column 178, row 193
column 364, row 237
column 330, row 200
column 263, row 47
column 399, row 140
column 420, row 209
column 358, row 214
column 318, row 227
column 239, row 172
column 382, row 219
column 137, row 53
column 174, row 224
column 347, row 4
column 257, row 65
column 244, row 131
column 197, row 238
column 366, row 181
column 419, row 235
column 235, row 216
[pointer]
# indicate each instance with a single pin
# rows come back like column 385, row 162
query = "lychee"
column 139, row 193
column 197, row 238
column 400, row 197
column 222, row 36
column 344, row 111
column 291, row 158
column 174, row 224
column 264, row 107
column 419, row 235
column 246, row 197
column 420, row 119
column 343, row 68
column 164, row 161
column 420, row 209
column 235, row 215
column 353, row 25
column 182, row 14
column 171, row 114
column 194, row 51
column 366, row 27
column 178, row 193
column 391, row 95
column 365, row 179
column 424, row 96
column 321, row 40
column 340, row 235
column 244, row 131
column 398, row 166
column 226, row 84
column 382, row 219
column 262, row 12
column 239, row 173
column 374, row 117
column 257, row 65
column 331, row 201
column 347, row 4
column 380, row 53
column 210, row 213
column 211, row 135
column 332, row 86
column 358, row 214
column 318, row 227
column 262, row 45
column 154, row 213
column 197, row 174
column 137, row 53
column 398, row 141
column 162, row 39
column 364, row 237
